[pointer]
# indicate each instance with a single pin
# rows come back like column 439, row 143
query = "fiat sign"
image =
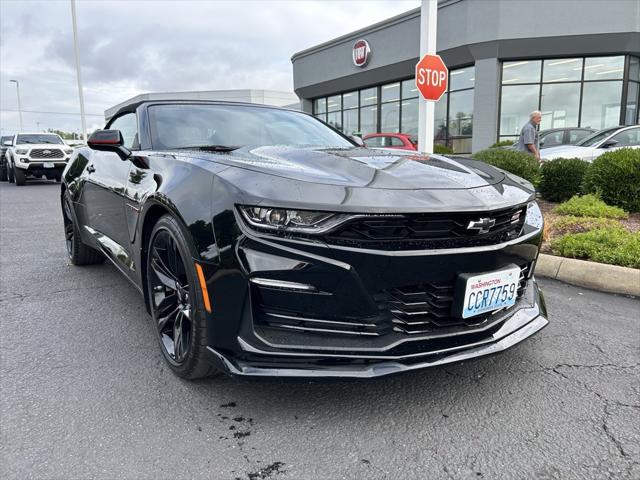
column 431, row 77
column 361, row 53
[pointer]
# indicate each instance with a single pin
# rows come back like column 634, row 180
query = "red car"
column 391, row 140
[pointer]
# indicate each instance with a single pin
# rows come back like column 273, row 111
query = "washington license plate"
column 490, row 291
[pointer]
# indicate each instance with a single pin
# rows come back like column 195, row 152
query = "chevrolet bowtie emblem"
column 482, row 225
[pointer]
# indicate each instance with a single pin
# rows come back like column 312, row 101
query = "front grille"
column 430, row 231
column 291, row 321
column 46, row 153
column 427, row 307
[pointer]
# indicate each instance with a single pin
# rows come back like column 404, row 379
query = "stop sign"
column 431, row 77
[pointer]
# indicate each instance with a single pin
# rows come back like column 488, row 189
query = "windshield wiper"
column 209, row 148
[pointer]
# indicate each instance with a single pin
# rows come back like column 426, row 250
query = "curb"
column 597, row 276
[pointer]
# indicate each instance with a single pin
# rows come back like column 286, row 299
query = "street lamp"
column 78, row 73
column 19, row 106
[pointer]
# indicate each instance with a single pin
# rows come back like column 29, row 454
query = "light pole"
column 78, row 74
column 19, row 105
column 38, row 126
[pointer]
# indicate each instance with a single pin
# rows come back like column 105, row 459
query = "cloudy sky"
column 131, row 47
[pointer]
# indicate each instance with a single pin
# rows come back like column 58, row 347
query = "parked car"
column 596, row 144
column 260, row 257
column 563, row 136
column 36, row 155
column 5, row 142
column 391, row 140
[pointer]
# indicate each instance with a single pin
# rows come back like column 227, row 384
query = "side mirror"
column 109, row 141
column 357, row 139
column 6, row 143
column 609, row 143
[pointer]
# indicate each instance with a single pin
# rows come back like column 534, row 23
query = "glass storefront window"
column 562, row 70
column 634, row 69
column 524, row 71
column 631, row 112
column 517, row 102
column 559, row 105
column 390, row 92
column 334, row 103
column 603, row 68
column 601, row 104
column 335, row 120
column 390, row 117
column 320, row 105
column 322, row 116
column 409, row 120
column 350, row 100
column 461, row 113
column 409, row 89
column 368, row 120
column 350, row 121
column 462, row 78
column 369, row 96
column 440, row 121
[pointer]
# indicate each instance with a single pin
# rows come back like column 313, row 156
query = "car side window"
column 128, row 126
column 627, row 138
column 374, row 142
column 554, row 138
column 396, row 142
column 577, row 135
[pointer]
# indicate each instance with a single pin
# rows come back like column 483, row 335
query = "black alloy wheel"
column 79, row 253
column 178, row 315
column 171, row 298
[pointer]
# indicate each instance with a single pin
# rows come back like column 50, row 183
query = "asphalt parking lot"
column 85, row 392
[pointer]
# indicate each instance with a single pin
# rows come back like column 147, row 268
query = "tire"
column 10, row 176
column 58, row 177
column 175, row 301
column 79, row 253
column 3, row 173
column 19, row 176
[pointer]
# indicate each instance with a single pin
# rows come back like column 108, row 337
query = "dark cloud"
column 133, row 47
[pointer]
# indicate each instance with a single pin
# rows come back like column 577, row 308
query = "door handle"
column 91, row 169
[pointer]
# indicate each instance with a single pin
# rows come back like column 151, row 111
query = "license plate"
column 48, row 165
column 490, row 291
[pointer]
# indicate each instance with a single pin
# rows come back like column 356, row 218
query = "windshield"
column 39, row 138
column 591, row 140
column 5, row 139
column 184, row 126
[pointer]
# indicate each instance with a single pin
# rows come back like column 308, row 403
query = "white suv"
column 36, row 155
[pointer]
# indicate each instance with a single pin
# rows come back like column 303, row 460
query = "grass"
column 606, row 244
column 589, row 206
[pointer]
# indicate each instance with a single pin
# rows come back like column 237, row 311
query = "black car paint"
column 119, row 200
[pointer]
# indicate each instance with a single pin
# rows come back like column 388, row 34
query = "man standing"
column 528, row 141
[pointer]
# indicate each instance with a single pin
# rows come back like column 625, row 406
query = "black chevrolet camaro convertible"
column 266, row 243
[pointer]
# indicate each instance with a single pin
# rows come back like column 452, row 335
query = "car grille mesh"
column 46, row 153
column 430, row 231
column 416, row 309
column 423, row 308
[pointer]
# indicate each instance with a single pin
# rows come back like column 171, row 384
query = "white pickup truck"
column 36, row 155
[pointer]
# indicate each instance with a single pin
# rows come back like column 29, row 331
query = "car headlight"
column 534, row 216
column 22, row 151
column 304, row 221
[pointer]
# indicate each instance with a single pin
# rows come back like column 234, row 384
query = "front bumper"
column 345, row 328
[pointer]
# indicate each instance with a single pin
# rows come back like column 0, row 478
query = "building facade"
column 577, row 61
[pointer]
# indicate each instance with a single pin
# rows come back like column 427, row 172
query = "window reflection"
column 390, row 117
column 559, row 105
column 562, row 70
column 603, row 68
column 525, row 71
column 517, row 101
column 601, row 104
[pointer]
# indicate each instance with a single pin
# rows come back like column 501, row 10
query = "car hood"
column 565, row 151
column 362, row 167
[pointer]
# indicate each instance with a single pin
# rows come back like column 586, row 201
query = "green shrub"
column 442, row 149
column 615, row 177
column 589, row 206
column 613, row 245
column 503, row 143
column 573, row 224
column 519, row 163
column 562, row 178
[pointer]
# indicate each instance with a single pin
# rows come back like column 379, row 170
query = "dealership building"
column 577, row 61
